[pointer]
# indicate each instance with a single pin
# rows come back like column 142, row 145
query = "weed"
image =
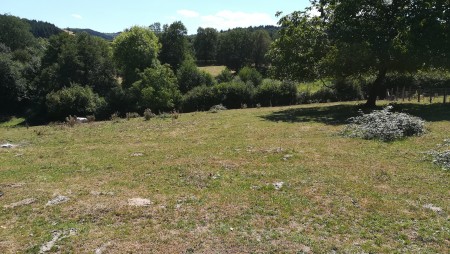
column 148, row 114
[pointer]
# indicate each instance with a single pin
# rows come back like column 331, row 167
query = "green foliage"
column 189, row 76
column 157, row 89
column 74, row 100
column 15, row 33
column 82, row 59
column 225, row 76
column 248, row 74
column 135, row 50
column 148, row 114
column 261, row 44
column 276, row 93
column 205, row 45
column 175, row 47
column 13, row 86
column 361, row 37
column 199, row 98
column 43, row 29
column 235, row 48
column 234, row 94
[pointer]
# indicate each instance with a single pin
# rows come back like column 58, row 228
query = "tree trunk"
column 373, row 92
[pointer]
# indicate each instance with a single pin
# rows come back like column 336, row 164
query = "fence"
column 431, row 95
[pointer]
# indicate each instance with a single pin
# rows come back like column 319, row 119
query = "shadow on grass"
column 338, row 114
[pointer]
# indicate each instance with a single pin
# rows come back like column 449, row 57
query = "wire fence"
column 428, row 95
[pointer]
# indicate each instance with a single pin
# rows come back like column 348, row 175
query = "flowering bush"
column 384, row 125
column 441, row 156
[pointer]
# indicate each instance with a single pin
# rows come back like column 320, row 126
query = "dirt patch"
column 139, row 202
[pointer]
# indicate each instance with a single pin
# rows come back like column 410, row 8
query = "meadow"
column 267, row 180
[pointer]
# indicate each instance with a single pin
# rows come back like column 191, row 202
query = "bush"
column 148, row 114
column 248, row 74
column 384, row 125
column 217, row 108
column 224, row 76
column 74, row 100
column 441, row 156
column 234, row 94
column 276, row 93
column 130, row 115
column 200, row 98
column 189, row 76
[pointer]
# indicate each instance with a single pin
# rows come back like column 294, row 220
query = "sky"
column 110, row 16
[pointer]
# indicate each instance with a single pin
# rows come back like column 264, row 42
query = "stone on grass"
column 27, row 201
column 57, row 235
column 8, row 145
column 139, row 202
column 57, row 200
column 278, row 185
column 433, row 208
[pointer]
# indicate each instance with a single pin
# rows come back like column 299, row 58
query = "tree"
column 175, row 48
column 235, row 48
column 205, row 44
column 15, row 33
column 261, row 44
column 135, row 50
column 360, row 37
column 81, row 59
column 157, row 89
column 248, row 74
column 189, row 76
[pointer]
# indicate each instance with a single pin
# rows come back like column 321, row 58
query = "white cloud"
column 188, row 13
column 77, row 16
column 225, row 19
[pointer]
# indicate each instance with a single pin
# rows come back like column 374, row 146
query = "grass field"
column 213, row 70
column 210, row 179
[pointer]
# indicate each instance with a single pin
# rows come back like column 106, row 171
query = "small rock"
column 57, row 200
column 137, row 154
column 278, row 185
column 7, row 145
column 56, row 236
column 139, row 202
column 287, row 156
column 27, row 201
column 102, row 248
column 433, row 208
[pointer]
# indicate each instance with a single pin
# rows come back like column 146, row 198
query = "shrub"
column 130, row 115
column 115, row 117
column 71, row 120
column 148, row 114
column 90, row 118
column 189, row 76
column 441, row 156
column 233, row 94
column 384, row 125
column 76, row 100
column 224, row 76
column 248, row 74
column 200, row 98
column 276, row 93
column 217, row 108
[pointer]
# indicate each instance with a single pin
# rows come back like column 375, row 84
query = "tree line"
column 351, row 47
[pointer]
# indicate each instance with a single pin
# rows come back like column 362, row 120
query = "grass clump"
column 148, row 114
column 441, row 156
column 217, row 108
column 384, row 125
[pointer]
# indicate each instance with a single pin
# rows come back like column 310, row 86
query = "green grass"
column 12, row 122
column 213, row 70
column 209, row 177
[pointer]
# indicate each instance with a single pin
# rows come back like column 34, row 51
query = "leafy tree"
column 12, row 84
column 205, row 44
column 189, row 76
column 248, row 74
column 157, row 89
column 15, row 33
column 359, row 37
column 81, row 59
column 175, row 48
column 135, row 50
column 225, row 76
column 235, row 48
column 261, row 44
column 73, row 100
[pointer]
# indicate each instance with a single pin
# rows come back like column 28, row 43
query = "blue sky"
column 115, row 16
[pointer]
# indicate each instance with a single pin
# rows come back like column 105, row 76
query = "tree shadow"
column 338, row 114
column 332, row 115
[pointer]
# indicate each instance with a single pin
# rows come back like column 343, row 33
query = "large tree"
column 205, row 44
column 358, row 37
column 135, row 50
column 235, row 48
column 175, row 47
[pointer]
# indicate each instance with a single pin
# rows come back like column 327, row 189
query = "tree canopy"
column 358, row 37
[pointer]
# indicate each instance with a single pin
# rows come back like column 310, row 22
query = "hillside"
column 268, row 180
column 106, row 36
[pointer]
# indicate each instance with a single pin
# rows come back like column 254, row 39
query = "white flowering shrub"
column 384, row 125
column 441, row 156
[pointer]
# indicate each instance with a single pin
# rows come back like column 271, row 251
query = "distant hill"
column 42, row 29
column 106, row 36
